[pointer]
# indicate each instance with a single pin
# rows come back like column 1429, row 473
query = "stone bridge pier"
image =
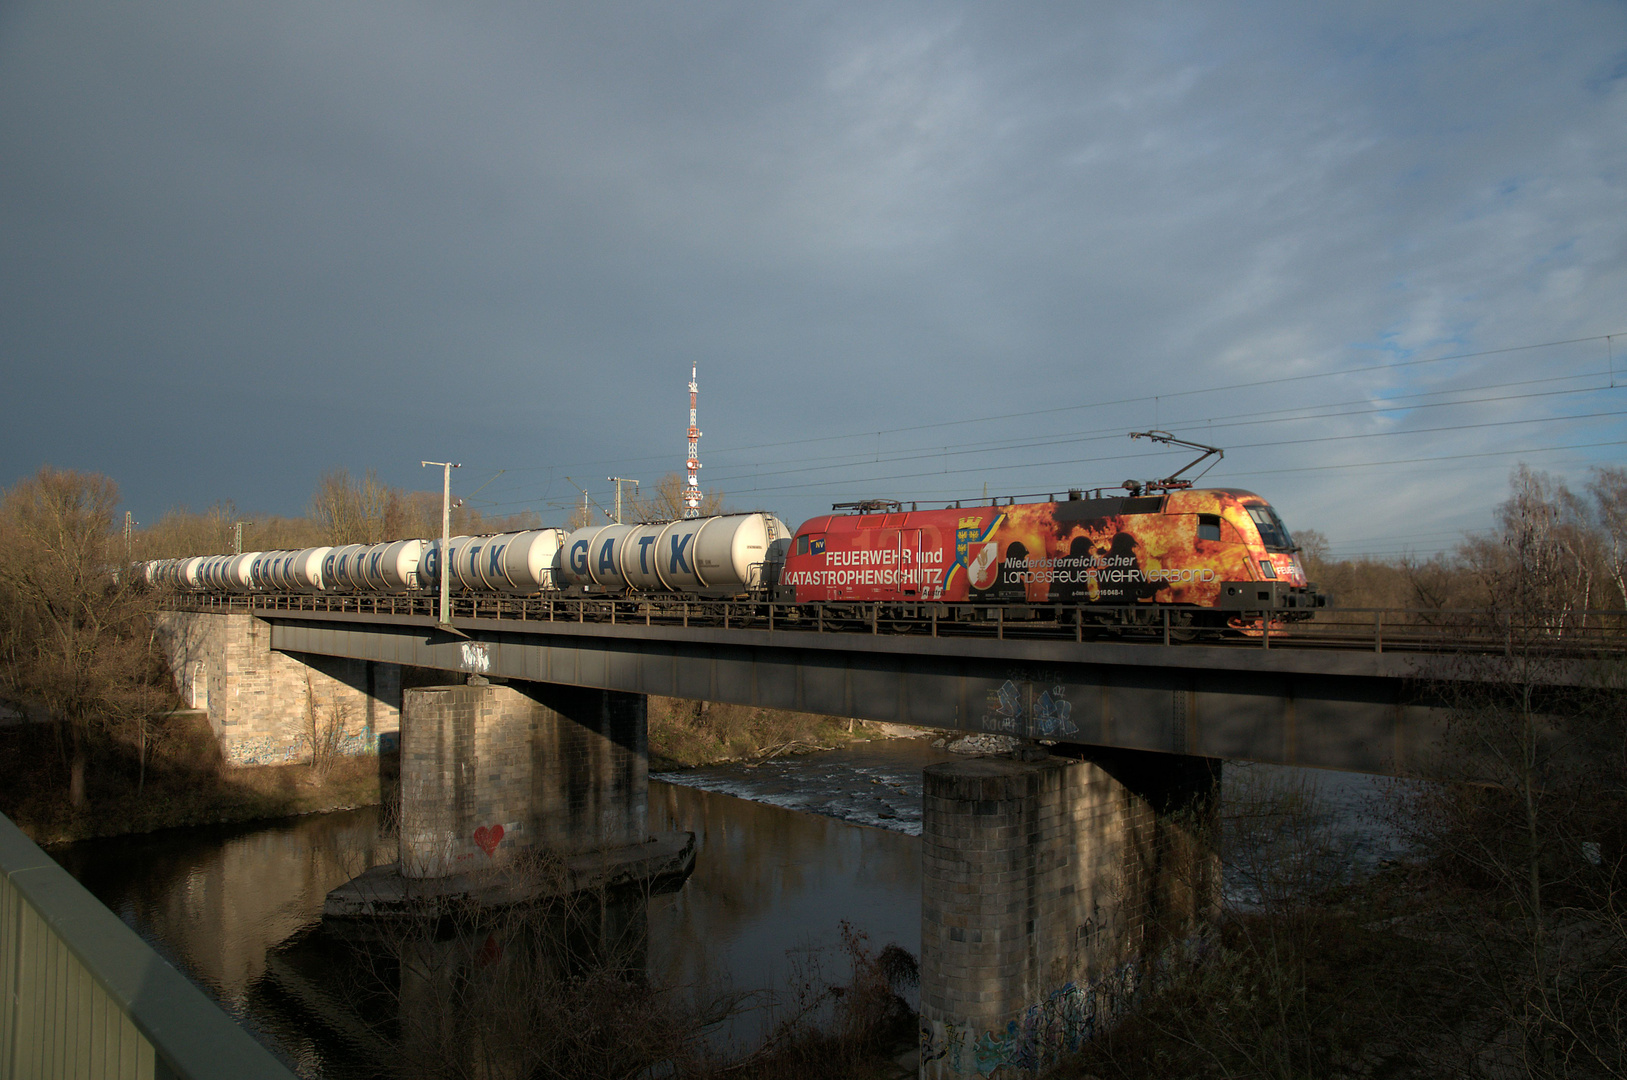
column 1051, row 889
column 489, row 771
column 515, row 792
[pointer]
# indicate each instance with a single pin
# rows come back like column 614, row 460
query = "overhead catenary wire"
column 1114, row 403
column 1109, row 434
column 953, row 494
column 1235, row 420
column 984, row 467
column 763, row 475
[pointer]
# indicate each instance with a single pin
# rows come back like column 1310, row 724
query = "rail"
column 85, row 997
column 1546, row 633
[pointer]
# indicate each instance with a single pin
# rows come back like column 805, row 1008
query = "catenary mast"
column 692, row 493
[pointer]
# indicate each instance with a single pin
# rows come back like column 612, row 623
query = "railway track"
column 1571, row 635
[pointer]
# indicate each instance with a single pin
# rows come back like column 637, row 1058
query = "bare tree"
column 581, row 517
column 347, row 511
column 666, row 502
column 1609, row 490
column 76, row 637
column 1529, row 816
column 1541, row 563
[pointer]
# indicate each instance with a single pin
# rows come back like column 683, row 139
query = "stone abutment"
column 275, row 708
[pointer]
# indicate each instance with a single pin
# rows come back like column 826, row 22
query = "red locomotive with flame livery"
column 1217, row 549
column 1162, row 543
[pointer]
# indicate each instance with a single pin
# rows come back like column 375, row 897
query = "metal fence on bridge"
column 84, row 997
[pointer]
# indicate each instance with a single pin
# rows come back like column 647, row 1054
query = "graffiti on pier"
column 1016, row 708
column 1059, row 1025
column 943, row 1039
column 475, row 658
column 267, row 750
column 487, row 839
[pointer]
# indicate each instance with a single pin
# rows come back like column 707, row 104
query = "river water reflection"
column 238, row 909
column 235, row 908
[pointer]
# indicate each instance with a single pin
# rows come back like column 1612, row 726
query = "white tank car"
column 189, row 575
column 341, row 568
column 528, row 560
column 429, row 562
column 238, row 574
column 304, row 572
column 463, row 562
column 392, row 567
column 266, row 573
column 519, row 563
column 713, row 556
column 592, row 557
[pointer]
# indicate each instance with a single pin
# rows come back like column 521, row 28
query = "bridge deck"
column 1289, row 699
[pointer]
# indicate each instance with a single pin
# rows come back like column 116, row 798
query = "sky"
column 1377, row 252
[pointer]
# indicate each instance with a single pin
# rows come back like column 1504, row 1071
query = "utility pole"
column 586, row 499
column 128, row 523
column 619, row 481
column 442, row 570
column 237, row 537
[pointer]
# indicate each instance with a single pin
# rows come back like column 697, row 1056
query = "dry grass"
column 685, row 734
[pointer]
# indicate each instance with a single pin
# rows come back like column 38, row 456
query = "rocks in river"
column 984, row 744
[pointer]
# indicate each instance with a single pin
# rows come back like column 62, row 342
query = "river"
column 787, row 852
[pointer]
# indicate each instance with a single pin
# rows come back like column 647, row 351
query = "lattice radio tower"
column 692, row 493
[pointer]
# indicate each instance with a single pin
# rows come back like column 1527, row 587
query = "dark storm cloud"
column 246, row 242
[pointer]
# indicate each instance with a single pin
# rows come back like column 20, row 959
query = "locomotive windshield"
column 1273, row 532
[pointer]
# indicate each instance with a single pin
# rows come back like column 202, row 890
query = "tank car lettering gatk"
column 678, row 565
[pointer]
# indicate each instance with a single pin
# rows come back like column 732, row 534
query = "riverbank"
column 690, row 734
column 181, row 779
column 184, row 782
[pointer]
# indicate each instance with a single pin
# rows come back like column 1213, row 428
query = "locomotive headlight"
column 1267, row 569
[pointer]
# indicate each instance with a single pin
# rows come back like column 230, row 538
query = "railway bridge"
column 1051, row 878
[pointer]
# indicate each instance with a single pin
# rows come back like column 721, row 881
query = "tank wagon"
column 710, row 556
column 519, row 563
column 716, row 556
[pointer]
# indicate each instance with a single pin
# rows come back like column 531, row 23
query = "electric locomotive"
column 1210, row 554
column 1220, row 550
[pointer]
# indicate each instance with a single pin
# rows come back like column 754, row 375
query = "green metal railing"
column 84, row 997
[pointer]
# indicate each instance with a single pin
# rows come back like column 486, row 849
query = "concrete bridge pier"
column 514, row 792
column 1049, row 890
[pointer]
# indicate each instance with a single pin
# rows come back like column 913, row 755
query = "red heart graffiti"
column 488, row 839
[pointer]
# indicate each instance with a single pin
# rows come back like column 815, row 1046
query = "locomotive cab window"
column 1272, row 531
column 802, row 544
column 1208, row 526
